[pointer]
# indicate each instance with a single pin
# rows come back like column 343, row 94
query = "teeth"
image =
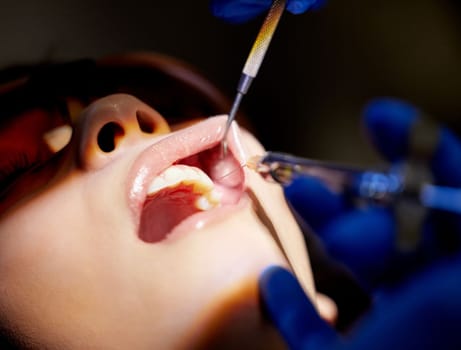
column 208, row 200
column 173, row 175
column 203, row 203
column 187, row 175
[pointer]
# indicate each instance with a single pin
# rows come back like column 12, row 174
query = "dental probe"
column 254, row 60
column 363, row 184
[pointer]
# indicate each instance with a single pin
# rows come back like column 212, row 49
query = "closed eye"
column 28, row 140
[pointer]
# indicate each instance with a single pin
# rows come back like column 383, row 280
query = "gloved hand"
column 365, row 239
column 238, row 11
column 424, row 313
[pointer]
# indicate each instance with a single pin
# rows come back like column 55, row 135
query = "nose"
column 113, row 124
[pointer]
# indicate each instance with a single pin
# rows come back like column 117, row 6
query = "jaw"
column 239, row 323
column 269, row 216
column 220, row 267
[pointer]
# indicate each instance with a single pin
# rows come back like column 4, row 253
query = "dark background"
column 320, row 70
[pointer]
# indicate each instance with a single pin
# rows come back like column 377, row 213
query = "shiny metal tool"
column 254, row 60
column 380, row 187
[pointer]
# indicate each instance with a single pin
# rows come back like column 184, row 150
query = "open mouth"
column 192, row 185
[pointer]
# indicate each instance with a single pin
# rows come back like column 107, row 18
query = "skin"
column 75, row 273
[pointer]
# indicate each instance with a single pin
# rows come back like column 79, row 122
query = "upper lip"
column 165, row 152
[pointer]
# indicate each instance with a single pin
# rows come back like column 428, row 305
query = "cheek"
column 69, row 274
column 55, row 269
column 37, row 255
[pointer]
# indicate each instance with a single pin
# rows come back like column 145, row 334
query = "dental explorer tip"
column 223, row 149
column 230, row 119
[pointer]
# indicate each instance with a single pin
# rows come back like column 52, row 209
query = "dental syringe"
column 381, row 187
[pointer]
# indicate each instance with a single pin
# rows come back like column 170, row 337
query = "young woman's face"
column 132, row 246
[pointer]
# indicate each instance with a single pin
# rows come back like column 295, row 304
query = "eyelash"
column 15, row 166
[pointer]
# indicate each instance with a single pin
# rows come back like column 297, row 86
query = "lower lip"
column 205, row 219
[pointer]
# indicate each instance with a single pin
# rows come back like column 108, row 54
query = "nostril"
column 108, row 135
column 145, row 122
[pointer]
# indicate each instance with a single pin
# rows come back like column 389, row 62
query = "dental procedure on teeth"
column 144, row 206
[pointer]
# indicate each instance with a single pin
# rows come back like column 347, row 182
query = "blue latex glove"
column 238, row 11
column 423, row 313
column 364, row 239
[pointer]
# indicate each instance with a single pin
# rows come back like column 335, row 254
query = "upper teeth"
column 187, row 175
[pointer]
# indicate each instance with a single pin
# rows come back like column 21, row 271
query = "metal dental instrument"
column 381, row 187
column 254, row 60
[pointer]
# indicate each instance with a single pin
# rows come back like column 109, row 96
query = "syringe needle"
column 254, row 60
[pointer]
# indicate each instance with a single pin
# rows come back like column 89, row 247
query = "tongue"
column 165, row 210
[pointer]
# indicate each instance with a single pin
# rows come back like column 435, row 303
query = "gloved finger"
column 314, row 202
column 445, row 164
column 300, row 6
column 424, row 313
column 291, row 311
column 239, row 11
column 389, row 123
column 364, row 240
